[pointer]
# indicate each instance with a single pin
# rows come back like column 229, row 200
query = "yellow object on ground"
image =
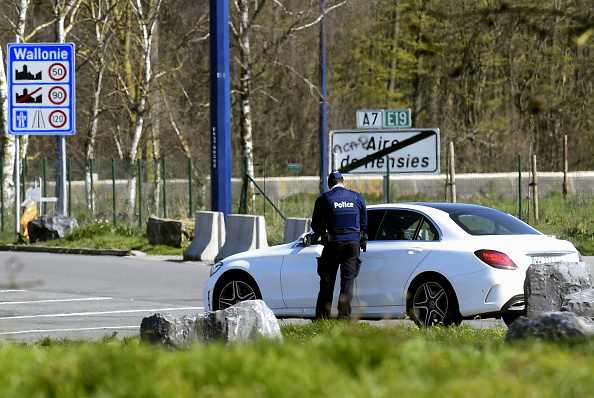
column 29, row 214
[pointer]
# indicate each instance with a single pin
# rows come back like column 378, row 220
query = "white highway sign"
column 365, row 151
column 370, row 118
column 383, row 118
column 41, row 88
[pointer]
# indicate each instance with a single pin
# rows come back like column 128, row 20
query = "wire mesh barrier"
column 110, row 190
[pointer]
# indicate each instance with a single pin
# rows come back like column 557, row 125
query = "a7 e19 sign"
column 41, row 88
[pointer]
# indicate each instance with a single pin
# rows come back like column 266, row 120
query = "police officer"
column 340, row 217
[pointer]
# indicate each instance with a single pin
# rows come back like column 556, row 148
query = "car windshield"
column 490, row 222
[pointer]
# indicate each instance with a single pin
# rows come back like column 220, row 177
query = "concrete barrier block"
column 243, row 233
column 209, row 236
column 295, row 227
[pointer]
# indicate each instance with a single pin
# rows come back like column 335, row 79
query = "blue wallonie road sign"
column 41, row 88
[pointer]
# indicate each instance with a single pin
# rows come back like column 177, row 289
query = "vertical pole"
column 246, row 203
column 140, row 193
column 323, row 120
column 44, row 184
column 387, row 184
column 164, row 188
column 565, row 181
column 61, row 139
column 69, row 187
column 62, row 179
column 447, row 175
column 113, row 184
column 17, row 184
column 220, row 107
column 91, row 196
column 190, row 187
column 24, row 176
column 452, row 172
column 265, row 201
column 535, row 187
column 17, row 176
column 520, row 186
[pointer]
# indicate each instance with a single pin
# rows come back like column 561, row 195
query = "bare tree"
column 102, row 17
column 9, row 146
column 134, row 88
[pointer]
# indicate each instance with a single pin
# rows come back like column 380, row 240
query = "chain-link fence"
column 100, row 190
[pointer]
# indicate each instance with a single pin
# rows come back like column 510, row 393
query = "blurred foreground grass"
column 325, row 359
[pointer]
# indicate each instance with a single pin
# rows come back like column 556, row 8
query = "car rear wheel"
column 432, row 303
column 509, row 318
column 233, row 290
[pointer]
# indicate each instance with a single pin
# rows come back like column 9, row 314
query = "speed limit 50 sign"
column 41, row 96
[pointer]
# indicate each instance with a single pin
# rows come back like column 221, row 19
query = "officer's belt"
column 347, row 234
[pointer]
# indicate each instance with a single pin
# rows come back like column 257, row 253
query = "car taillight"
column 496, row 259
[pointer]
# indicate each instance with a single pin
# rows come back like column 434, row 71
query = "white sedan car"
column 437, row 263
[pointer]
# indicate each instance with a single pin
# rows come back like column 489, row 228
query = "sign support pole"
column 323, row 119
column 17, row 174
column 220, row 108
column 61, row 139
column 17, row 183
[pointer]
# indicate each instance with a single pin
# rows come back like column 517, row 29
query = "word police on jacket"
column 343, row 204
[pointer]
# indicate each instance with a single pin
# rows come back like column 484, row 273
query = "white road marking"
column 12, row 290
column 70, row 330
column 73, row 314
column 55, row 301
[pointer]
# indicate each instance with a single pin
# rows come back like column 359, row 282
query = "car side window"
column 374, row 219
column 399, row 225
column 427, row 231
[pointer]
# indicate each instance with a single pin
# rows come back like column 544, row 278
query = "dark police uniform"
column 343, row 214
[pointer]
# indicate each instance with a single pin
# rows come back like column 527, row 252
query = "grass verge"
column 327, row 359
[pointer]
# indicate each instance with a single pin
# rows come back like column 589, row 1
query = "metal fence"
column 178, row 188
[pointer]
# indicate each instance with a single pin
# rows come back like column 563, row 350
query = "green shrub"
column 322, row 359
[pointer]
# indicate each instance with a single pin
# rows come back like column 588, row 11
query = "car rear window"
column 490, row 222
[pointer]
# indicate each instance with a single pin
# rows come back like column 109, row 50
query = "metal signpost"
column 220, row 108
column 41, row 99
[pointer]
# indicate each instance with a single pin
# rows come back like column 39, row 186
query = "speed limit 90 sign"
column 41, row 88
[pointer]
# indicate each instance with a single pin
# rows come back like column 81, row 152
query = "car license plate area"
column 546, row 259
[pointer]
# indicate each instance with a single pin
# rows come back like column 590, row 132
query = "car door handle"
column 414, row 250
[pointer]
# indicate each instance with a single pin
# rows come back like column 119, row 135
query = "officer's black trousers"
column 335, row 254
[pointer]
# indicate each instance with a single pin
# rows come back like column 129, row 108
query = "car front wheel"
column 234, row 290
column 432, row 303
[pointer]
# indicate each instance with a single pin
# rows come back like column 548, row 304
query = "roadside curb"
column 65, row 250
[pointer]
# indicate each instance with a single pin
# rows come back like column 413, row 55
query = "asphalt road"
column 68, row 296
column 89, row 297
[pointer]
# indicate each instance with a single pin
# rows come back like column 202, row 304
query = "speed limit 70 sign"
column 41, row 88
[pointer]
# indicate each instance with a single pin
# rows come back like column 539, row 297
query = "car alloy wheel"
column 433, row 304
column 234, row 292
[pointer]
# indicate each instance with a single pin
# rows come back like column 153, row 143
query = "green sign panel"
column 397, row 118
column 294, row 168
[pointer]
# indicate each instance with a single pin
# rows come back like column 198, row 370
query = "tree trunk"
column 147, row 16
column 245, row 94
column 8, row 141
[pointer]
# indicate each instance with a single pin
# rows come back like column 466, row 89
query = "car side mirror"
column 307, row 239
